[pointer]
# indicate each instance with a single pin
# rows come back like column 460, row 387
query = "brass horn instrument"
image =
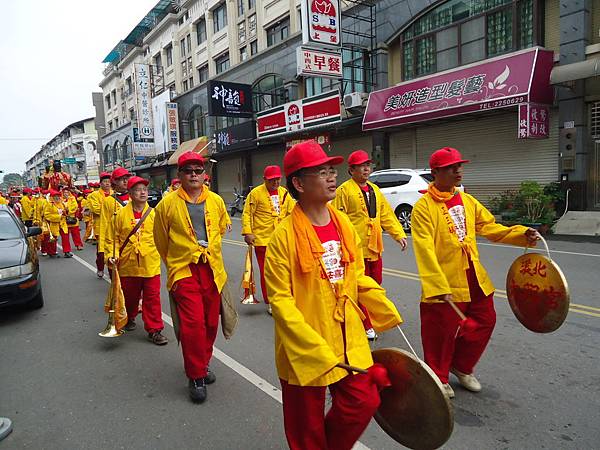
column 248, row 283
column 114, row 292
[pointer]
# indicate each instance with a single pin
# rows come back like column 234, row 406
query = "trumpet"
column 248, row 283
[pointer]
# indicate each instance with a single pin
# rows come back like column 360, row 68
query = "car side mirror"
column 33, row 231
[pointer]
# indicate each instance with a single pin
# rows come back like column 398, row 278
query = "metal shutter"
column 343, row 147
column 260, row 160
column 402, row 154
column 499, row 161
column 228, row 177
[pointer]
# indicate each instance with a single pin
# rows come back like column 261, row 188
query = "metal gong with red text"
column 537, row 292
column 414, row 410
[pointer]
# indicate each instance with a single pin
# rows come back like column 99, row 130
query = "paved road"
column 66, row 388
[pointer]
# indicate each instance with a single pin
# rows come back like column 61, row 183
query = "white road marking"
column 240, row 369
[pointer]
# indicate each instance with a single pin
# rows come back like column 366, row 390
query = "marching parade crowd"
column 319, row 249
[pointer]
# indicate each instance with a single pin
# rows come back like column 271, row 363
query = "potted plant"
column 535, row 207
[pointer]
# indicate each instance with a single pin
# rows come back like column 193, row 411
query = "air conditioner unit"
column 355, row 100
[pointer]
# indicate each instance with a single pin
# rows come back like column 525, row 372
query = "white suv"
column 401, row 189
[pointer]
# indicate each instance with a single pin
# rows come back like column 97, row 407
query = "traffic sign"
column 69, row 161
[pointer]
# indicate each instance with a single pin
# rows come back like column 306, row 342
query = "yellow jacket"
column 308, row 339
column 349, row 199
column 85, row 208
column 175, row 237
column 54, row 216
column 94, row 204
column 259, row 218
column 72, row 207
column 442, row 259
column 27, row 208
column 110, row 207
column 3, row 201
column 38, row 210
column 140, row 257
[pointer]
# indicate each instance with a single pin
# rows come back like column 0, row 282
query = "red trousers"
column 52, row 246
column 198, row 304
column 373, row 269
column 354, row 402
column 99, row 256
column 149, row 289
column 76, row 235
column 260, row 257
column 442, row 347
column 45, row 242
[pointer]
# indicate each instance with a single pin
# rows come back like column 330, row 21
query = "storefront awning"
column 193, row 145
column 505, row 81
column 575, row 71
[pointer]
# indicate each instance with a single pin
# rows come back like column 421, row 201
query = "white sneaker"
column 448, row 390
column 269, row 309
column 100, row 274
column 371, row 335
column 468, row 381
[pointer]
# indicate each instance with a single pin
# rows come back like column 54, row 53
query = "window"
column 459, row 32
column 240, row 8
column 197, row 123
column 313, row 85
column 252, row 26
column 172, row 90
column 242, row 32
column 169, row 53
column 110, row 125
column 253, row 47
column 131, row 114
column 188, row 43
column 116, row 123
column 268, row 92
column 220, row 17
column 114, row 97
column 278, row 32
column 128, row 87
column 385, row 180
column 182, row 48
column 191, row 82
column 201, row 31
column 355, row 70
column 158, row 60
column 183, row 18
column 222, row 63
column 251, row 4
column 203, row 73
column 185, row 85
column 243, row 54
column 107, row 101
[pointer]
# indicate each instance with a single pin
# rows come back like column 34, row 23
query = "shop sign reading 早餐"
column 320, row 63
column 520, row 77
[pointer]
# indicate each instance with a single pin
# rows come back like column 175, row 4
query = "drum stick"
column 351, row 368
column 456, row 310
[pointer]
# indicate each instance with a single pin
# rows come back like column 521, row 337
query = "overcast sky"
column 50, row 63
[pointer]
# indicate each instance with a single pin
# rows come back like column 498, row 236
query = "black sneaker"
column 210, row 377
column 68, row 255
column 130, row 326
column 197, row 390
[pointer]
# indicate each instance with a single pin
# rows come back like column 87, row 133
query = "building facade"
column 384, row 44
column 76, row 147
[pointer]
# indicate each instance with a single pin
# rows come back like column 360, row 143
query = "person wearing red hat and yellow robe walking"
column 134, row 253
column 27, row 207
column 188, row 229
column 72, row 220
column 315, row 277
column 55, row 215
column 95, row 201
column 266, row 205
column 445, row 224
column 371, row 214
column 88, row 218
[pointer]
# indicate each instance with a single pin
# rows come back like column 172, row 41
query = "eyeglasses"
column 193, row 171
column 324, row 173
column 139, row 190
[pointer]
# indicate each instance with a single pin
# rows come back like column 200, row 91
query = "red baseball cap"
column 445, row 157
column 27, row 191
column 271, row 172
column 358, row 157
column 189, row 158
column 103, row 175
column 45, row 191
column 307, row 154
column 54, row 192
column 175, row 181
column 37, row 190
column 136, row 180
column 119, row 172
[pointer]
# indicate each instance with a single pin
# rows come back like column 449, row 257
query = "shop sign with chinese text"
column 501, row 82
column 173, row 125
column 143, row 102
column 236, row 137
column 298, row 115
column 534, row 121
column 229, row 99
column 321, row 22
column 318, row 63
